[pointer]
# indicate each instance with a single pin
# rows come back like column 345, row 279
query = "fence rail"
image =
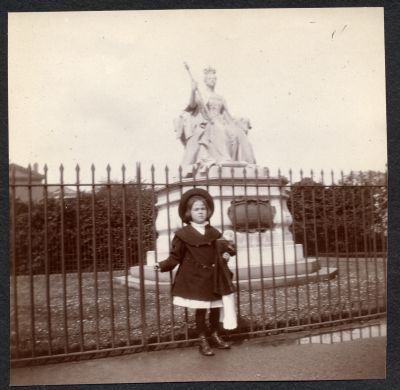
column 82, row 284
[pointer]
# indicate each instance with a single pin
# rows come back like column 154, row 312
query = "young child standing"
column 200, row 280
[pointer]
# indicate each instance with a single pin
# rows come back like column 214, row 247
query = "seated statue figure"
column 210, row 134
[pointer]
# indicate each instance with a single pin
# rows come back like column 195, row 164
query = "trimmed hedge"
column 105, row 240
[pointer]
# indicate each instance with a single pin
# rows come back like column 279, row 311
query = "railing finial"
column 77, row 170
column 108, row 169
column 61, row 174
column 123, row 171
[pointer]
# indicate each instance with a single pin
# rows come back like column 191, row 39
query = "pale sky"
column 105, row 87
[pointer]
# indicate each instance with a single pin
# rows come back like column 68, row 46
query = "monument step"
column 323, row 273
column 300, row 267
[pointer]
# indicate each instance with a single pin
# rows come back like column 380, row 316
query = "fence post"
column 94, row 256
column 125, row 255
column 46, row 259
column 62, row 249
column 110, row 256
column 169, row 241
column 154, row 215
column 14, row 261
column 79, row 258
column 141, row 253
column 30, row 260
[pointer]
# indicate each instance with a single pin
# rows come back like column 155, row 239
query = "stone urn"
column 251, row 214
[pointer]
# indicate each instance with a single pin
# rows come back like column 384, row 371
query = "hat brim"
column 195, row 192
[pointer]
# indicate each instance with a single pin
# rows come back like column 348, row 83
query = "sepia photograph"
column 197, row 195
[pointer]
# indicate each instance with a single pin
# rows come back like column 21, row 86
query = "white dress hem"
column 196, row 304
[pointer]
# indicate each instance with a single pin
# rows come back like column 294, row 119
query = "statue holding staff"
column 210, row 134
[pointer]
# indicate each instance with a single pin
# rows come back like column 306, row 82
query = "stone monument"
column 219, row 158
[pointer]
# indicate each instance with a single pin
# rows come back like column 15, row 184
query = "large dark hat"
column 194, row 192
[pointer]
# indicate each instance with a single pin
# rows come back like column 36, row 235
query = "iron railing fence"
column 80, row 285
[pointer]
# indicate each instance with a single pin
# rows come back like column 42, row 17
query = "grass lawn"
column 74, row 322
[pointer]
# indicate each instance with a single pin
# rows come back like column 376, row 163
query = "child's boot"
column 218, row 342
column 204, row 347
column 214, row 322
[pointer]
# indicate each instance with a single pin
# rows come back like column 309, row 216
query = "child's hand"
column 229, row 235
column 156, row 267
column 226, row 256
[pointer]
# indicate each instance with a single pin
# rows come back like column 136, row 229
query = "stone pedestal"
column 267, row 252
column 228, row 186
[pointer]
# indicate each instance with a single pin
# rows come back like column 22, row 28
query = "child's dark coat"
column 197, row 255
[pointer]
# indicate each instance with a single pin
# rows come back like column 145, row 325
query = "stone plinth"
column 266, row 257
column 227, row 186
